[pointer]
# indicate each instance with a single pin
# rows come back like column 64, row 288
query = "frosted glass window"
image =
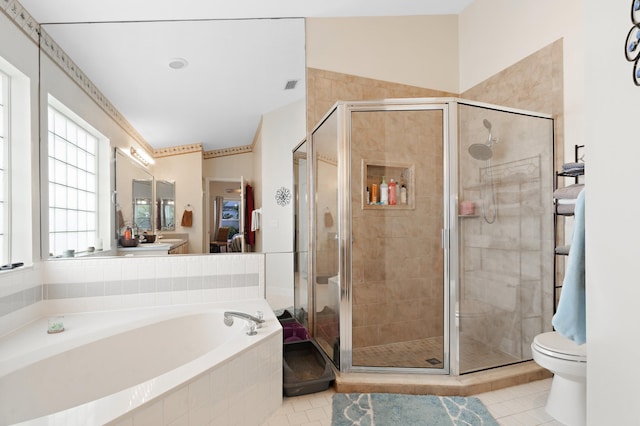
column 72, row 184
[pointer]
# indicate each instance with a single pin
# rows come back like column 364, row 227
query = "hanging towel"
column 570, row 318
column 255, row 220
column 120, row 219
column 328, row 218
column 187, row 219
column 249, row 232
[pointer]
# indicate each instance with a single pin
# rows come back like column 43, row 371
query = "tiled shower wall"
column 325, row 88
column 78, row 285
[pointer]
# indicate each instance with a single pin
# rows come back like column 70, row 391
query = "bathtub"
column 149, row 366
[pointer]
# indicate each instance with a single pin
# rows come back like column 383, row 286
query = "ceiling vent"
column 291, row 84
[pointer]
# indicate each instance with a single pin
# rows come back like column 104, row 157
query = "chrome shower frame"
column 450, row 222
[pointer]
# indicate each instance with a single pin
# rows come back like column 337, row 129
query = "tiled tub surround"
column 146, row 366
column 96, row 284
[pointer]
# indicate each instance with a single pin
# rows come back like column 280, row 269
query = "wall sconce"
column 142, row 157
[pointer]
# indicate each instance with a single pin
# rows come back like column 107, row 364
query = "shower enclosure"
column 454, row 274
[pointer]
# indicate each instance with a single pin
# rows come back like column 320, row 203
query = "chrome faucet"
column 253, row 322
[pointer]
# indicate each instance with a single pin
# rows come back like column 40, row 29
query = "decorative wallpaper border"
column 177, row 150
column 228, row 151
column 23, row 20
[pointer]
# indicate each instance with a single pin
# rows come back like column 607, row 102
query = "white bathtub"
column 143, row 367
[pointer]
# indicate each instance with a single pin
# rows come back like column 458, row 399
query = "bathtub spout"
column 254, row 322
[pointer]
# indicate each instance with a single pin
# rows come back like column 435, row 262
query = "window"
column 5, row 248
column 231, row 216
column 73, row 183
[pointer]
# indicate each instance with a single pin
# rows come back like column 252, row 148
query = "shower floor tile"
column 429, row 353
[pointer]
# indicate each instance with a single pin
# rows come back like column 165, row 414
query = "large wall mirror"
column 103, row 71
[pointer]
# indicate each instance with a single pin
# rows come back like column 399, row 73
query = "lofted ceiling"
column 239, row 54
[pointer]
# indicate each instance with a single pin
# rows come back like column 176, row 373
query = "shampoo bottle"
column 384, row 192
column 374, row 193
column 392, row 192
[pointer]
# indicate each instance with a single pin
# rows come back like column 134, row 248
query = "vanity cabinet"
column 181, row 248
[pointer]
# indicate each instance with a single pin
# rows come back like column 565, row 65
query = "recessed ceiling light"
column 178, row 63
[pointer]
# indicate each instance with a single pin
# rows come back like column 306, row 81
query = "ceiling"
column 238, row 62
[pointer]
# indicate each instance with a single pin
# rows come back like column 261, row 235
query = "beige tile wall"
column 325, row 88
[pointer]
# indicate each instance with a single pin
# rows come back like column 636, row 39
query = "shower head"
column 480, row 151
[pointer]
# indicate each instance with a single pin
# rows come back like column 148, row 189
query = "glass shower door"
column 325, row 317
column 398, row 259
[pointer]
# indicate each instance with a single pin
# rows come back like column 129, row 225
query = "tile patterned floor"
column 521, row 405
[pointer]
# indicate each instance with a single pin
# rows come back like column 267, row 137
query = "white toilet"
column 567, row 401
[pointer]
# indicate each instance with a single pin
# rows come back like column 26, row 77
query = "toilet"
column 567, row 401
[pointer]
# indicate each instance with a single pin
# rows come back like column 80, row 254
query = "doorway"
column 225, row 209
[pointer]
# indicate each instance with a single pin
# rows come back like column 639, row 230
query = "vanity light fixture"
column 178, row 63
column 141, row 156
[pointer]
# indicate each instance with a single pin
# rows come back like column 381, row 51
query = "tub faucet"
column 254, row 322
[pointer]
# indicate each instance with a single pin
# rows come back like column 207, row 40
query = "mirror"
column 133, row 95
column 165, row 205
column 142, row 204
column 133, row 195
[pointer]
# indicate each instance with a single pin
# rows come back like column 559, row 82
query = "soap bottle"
column 367, row 200
column 403, row 195
column 392, row 192
column 384, row 191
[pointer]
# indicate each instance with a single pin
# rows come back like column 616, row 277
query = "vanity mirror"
column 165, row 206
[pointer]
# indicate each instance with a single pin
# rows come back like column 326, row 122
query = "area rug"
column 390, row 409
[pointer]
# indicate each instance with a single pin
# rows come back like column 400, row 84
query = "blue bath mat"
column 390, row 409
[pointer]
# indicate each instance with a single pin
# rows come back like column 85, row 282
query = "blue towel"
column 570, row 318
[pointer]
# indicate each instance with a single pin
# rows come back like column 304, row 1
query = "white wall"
column 415, row 50
column 282, row 130
column 612, row 105
column 229, row 167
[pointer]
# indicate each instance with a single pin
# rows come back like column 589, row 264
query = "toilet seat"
column 554, row 345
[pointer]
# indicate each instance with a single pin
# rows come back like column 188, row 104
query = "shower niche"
column 413, row 287
column 375, row 172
